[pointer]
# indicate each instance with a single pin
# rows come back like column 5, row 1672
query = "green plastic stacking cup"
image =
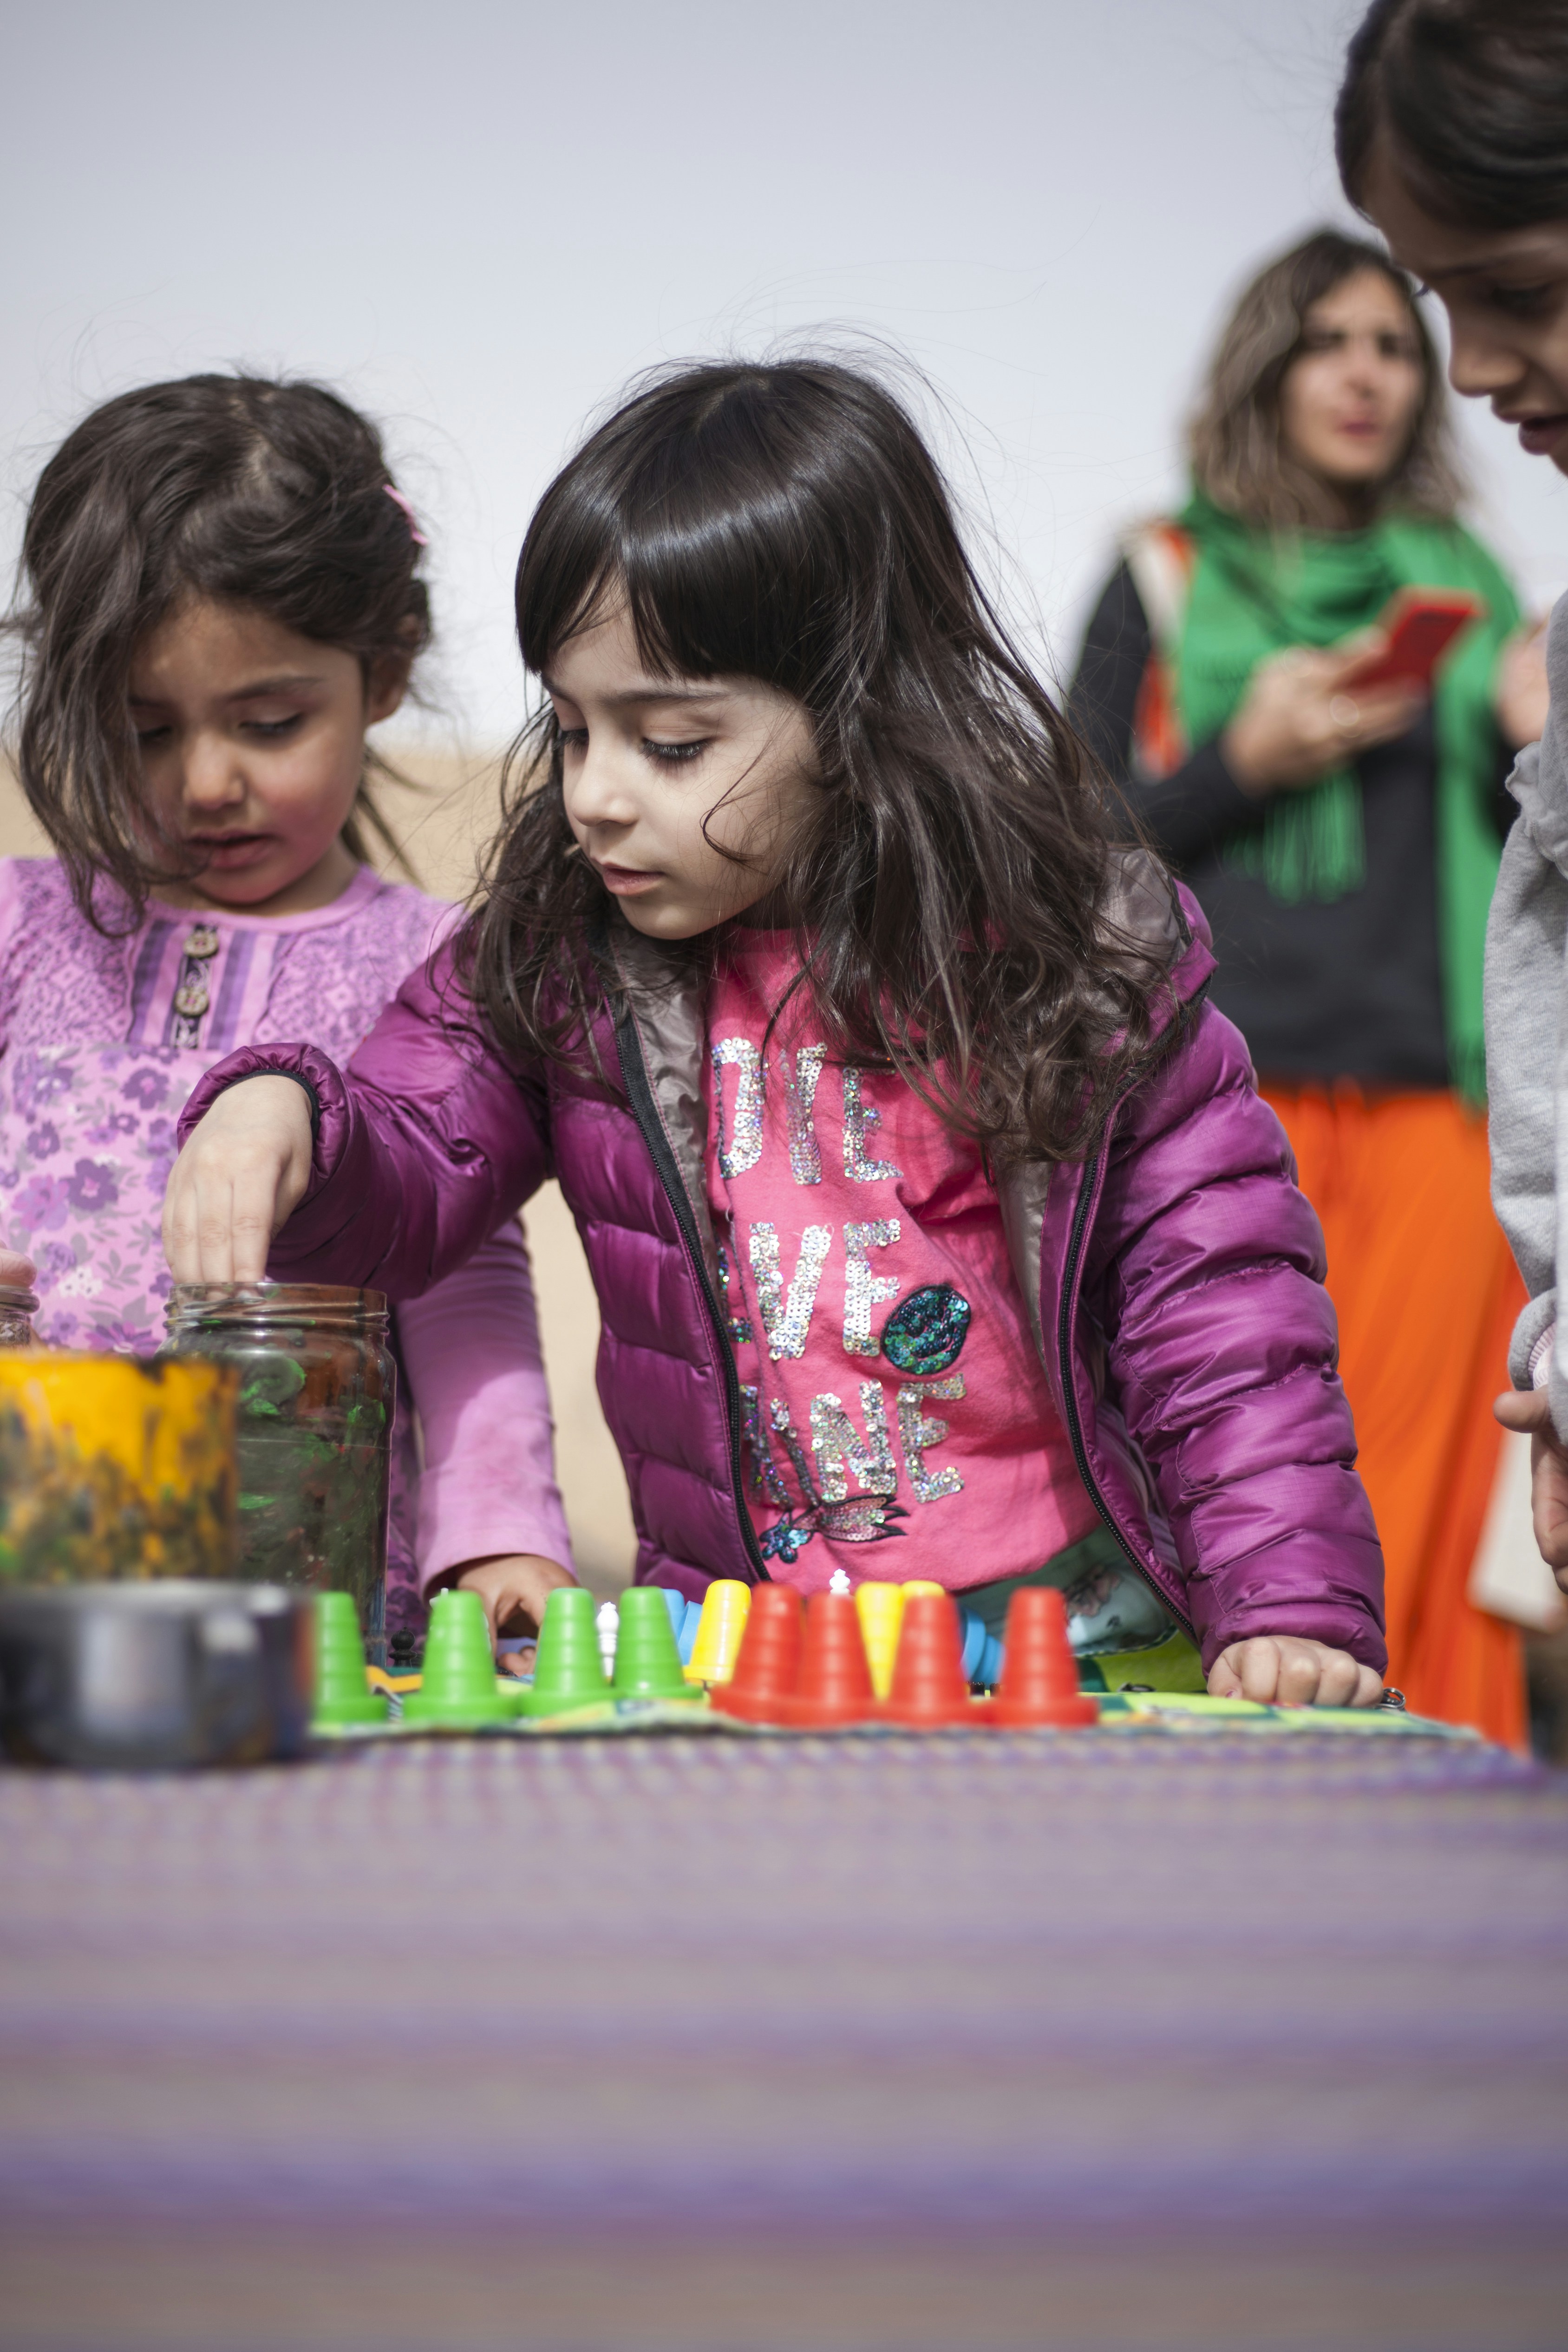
column 458, row 1690
column 343, row 1697
column 647, row 1664
column 568, row 1672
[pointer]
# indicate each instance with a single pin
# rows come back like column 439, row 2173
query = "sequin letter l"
column 861, row 1119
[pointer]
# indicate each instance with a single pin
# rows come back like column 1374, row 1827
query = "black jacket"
column 1351, row 989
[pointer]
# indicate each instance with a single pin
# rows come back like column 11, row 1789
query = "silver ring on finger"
column 1346, row 713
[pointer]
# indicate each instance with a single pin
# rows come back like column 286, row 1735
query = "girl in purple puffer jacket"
column 937, row 1227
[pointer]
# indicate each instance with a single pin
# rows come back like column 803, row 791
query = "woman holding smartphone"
column 1343, row 840
column 1451, row 133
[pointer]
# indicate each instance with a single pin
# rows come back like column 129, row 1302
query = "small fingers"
column 1523, row 1409
column 1259, row 1666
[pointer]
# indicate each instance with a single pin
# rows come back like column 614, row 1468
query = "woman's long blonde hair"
column 1238, row 451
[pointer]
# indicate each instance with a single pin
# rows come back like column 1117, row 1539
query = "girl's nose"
column 596, row 793
column 1477, row 365
column 212, row 778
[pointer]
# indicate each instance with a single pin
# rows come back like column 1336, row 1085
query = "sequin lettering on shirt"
column 839, row 1447
column 785, row 1321
column 918, row 1435
column 861, row 1121
column 766, row 1483
column 863, row 1290
column 745, row 1146
column 800, row 1101
column 737, row 1325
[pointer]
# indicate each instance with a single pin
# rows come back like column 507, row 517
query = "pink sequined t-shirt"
column 897, row 1419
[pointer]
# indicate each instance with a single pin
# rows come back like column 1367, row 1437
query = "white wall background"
column 480, row 219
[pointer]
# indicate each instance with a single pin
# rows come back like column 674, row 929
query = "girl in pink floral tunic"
column 223, row 595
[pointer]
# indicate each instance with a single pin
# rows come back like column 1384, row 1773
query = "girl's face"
column 1349, row 399
column 1506, row 293
column 252, row 742
column 663, row 775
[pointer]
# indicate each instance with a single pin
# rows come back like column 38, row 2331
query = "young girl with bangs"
column 937, row 1227
column 222, row 595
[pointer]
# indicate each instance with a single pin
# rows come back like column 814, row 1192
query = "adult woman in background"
column 1343, row 844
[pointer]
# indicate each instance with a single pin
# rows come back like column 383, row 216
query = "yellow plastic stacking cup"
column 726, row 1605
column 880, row 1609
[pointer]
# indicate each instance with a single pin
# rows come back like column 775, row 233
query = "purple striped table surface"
column 1095, row 2003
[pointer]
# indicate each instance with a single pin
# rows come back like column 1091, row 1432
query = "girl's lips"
column 626, row 881
column 1539, row 436
column 228, row 851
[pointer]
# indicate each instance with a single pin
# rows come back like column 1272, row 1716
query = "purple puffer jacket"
column 1183, row 1323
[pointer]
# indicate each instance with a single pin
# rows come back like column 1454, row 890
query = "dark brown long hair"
column 949, row 889
column 234, row 488
column 1239, row 453
column 1472, row 98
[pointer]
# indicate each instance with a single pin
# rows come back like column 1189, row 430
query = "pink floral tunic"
column 101, row 1041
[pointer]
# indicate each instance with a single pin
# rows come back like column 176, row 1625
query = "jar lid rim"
column 261, row 1296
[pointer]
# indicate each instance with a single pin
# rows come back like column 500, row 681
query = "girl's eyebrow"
column 272, row 686
column 241, row 694
column 650, row 693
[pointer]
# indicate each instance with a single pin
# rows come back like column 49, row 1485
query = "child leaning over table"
column 222, row 596
column 937, row 1226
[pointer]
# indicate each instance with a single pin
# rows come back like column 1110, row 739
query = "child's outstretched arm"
column 490, row 1514
column 387, row 1182
column 1207, row 1277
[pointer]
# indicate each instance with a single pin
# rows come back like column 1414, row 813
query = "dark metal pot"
column 141, row 1676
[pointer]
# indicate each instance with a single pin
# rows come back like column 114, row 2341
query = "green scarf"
column 1253, row 594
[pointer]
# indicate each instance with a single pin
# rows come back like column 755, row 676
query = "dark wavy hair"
column 1471, row 97
column 950, row 888
column 234, row 488
column 1237, row 450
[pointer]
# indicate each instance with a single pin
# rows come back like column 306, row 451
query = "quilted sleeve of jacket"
column 1206, row 1276
column 439, row 1140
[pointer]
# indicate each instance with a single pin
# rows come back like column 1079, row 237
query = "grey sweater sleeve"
column 1527, row 1038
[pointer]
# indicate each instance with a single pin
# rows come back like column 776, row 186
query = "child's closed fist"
column 1288, row 1670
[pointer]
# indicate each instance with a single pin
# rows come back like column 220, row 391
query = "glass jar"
column 317, row 1386
column 18, row 1308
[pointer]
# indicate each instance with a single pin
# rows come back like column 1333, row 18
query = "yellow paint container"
column 115, row 1466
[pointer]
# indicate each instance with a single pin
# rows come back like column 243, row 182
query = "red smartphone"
column 1420, row 625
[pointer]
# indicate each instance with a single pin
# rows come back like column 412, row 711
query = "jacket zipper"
column 645, row 1111
column 1088, row 1192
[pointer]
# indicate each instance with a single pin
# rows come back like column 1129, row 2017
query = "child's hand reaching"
column 1286, row 1670
column 239, row 1180
column 1528, row 1410
column 514, row 1590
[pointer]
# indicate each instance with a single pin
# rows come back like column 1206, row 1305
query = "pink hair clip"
column 395, row 495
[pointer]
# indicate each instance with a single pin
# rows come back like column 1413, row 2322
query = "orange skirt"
column 1426, row 1294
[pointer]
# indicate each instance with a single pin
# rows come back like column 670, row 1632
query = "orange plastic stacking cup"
column 835, row 1685
column 1039, row 1673
column 768, row 1663
column 930, row 1688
